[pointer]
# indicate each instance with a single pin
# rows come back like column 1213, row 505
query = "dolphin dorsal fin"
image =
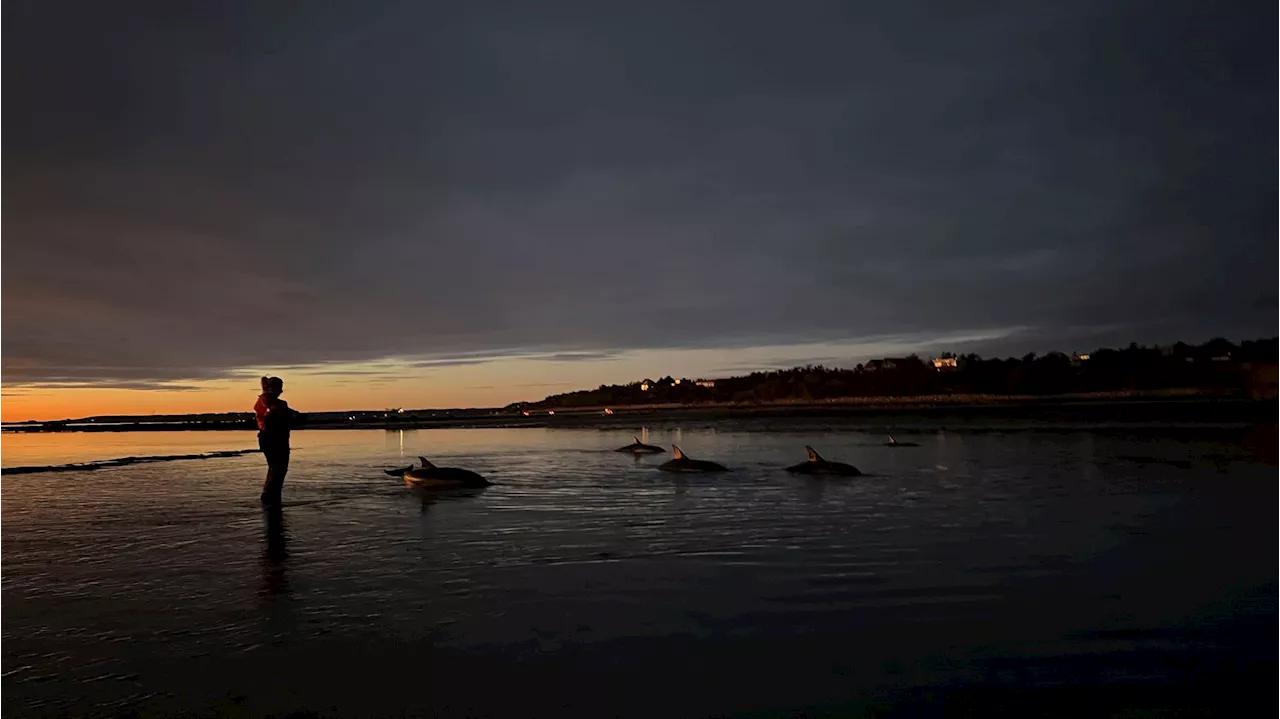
column 676, row 453
column 426, row 463
column 813, row 454
column 637, row 439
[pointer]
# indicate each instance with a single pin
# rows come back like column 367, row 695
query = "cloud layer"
column 274, row 185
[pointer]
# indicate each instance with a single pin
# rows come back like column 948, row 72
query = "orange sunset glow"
column 490, row 383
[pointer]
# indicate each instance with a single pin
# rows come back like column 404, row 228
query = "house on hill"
column 887, row 363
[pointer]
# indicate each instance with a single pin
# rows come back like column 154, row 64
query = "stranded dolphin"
column 681, row 463
column 818, row 465
column 638, row 447
column 432, row 477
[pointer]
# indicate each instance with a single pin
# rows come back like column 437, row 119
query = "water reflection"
column 814, row 489
column 394, row 439
column 430, row 497
column 275, row 554
column 426, row 498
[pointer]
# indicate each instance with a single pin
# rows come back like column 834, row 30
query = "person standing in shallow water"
column 275, row 419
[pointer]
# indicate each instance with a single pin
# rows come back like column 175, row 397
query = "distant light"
column 551, row 411
column 400, row 411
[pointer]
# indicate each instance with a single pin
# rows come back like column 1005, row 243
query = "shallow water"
column 584, row 581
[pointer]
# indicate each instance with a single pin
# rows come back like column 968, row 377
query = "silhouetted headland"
column 1217, row 367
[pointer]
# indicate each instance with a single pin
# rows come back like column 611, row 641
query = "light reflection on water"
column 166, row 586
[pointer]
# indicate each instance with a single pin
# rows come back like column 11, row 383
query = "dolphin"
column 430, row 476
column 895, row 443
column 818, row 465
column 638, row 447
column 681, row 463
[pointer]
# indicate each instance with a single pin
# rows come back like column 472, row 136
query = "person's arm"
column 279, row 415
column 293, row 416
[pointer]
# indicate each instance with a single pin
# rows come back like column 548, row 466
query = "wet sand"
column 990, row 571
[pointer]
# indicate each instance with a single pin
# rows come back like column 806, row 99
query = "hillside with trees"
column 1217, row 364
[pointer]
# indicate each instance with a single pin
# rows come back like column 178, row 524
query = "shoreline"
column 1242, row 407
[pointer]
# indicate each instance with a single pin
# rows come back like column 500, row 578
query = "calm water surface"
column 585, row 581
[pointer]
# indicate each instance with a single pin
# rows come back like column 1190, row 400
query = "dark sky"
column 192, row 188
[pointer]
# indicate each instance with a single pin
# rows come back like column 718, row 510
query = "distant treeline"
column 1217, row 364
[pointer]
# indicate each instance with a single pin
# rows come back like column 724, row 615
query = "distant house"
column 945, row 363
column 706, row 383
column 877, row 365
column 1078, row 358
column 645, row 385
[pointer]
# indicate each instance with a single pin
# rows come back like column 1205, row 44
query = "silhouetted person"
column 275, row 419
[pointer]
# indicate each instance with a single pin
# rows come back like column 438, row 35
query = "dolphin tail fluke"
column 426, row 463
column 676, row 453
column 813, row 455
